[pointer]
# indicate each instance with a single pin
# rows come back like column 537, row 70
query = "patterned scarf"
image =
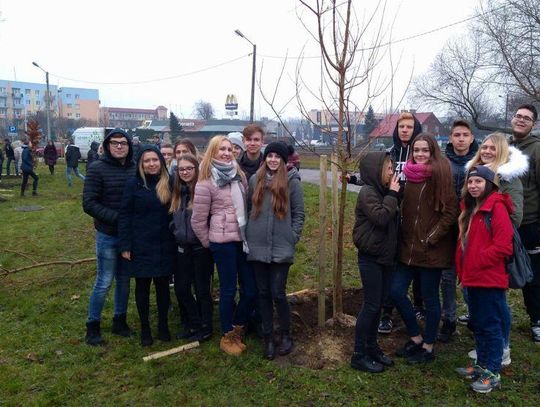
column 224, row 173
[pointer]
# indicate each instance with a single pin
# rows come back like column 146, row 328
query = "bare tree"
column 351, row 46
column 203, row 110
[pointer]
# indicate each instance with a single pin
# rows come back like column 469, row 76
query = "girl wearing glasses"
column 219, row 221
column 145, row 240
column 194, row 265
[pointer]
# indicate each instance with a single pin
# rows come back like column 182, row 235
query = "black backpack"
column 518, row 265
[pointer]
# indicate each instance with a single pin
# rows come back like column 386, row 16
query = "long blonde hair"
column 205, row 169
column 163, row 191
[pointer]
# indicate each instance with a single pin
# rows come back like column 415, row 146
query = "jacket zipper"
column 416, row 220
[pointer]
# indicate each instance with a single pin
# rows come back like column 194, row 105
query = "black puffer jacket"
column 458, row 164
column 92, row 154
column 376, row 215
column 104, row 185
column 73, row 155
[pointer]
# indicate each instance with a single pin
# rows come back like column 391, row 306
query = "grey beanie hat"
column 237, row 139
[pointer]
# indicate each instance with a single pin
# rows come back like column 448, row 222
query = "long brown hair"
column 470, row 206
column 189, row 144
column 278, row 187
column 441, row 171
column 176, row 199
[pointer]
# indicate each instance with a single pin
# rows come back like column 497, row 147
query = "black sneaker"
column 365, row 363
column 386, row 325
column 378, row 356
column 447, row 329
column 421, row 357
column 409, row 349
column 535, row 332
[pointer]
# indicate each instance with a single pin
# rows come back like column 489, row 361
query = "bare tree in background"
column 203, row 110
column 499, row 58
column 351, row 46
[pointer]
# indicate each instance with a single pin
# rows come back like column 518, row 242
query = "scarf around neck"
column 224, row 173
column 417, row 173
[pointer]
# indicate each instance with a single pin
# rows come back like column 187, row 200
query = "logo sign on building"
column 231, row 103
column 12, row 129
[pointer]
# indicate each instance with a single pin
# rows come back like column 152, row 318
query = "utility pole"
column 47, row 100
column 253, row 70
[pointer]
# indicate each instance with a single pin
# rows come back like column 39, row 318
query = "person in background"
column 182, row 147
column 102, row 195
column 238, row 144
column 136, row 147
column 10, row 157
column 426, row 243
column 461, row 148
column 293, row 160
column 167, row 151
column 194, row 263
column 17, row 150
column 218, row 220
column 276, row 202
column 93, row 154
column 27, row 167
column 481, row 255
column 375, row 236
column 73, row 155
column 523, row 122
column 252, row 158
column 145, row 241
column 1, row 160
column 50, row 155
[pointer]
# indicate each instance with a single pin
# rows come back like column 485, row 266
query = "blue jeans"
column 108, row 267
column 76, row 172
column 487, row 309
column 448, row 291
column 232, row 268
column 429, row 281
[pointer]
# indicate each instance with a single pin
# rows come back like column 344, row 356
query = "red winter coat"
column 483, row 261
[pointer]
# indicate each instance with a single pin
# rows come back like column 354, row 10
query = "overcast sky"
column 106, row 41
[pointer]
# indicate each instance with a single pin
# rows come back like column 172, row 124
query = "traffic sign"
column 12, row 129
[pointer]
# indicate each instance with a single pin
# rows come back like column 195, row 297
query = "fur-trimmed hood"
column 517, row 165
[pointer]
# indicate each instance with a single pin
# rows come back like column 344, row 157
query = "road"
column 313, row 177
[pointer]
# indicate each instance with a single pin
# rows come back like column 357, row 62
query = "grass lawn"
column 44, row 361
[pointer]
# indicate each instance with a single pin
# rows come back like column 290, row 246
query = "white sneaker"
column 506, row 360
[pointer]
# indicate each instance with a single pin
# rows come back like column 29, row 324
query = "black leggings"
column 25, row 176
column 142, row 299
column 51, row 169
column 271, row 282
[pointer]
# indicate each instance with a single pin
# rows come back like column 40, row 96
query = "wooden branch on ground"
column 20, row 254
column 49, row 263
column 172, row 351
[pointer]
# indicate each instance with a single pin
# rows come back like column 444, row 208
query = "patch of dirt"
column 331, row 346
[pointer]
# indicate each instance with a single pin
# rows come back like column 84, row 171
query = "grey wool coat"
column 272, row 240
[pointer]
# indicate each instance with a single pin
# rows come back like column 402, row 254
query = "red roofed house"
column 428, row 120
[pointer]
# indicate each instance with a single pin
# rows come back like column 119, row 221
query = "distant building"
column 18, row 100
column 428, row 120
column 130, row 118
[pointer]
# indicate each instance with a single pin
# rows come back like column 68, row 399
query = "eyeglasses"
column 185, row 169
column 118, row 143
column 524, row 118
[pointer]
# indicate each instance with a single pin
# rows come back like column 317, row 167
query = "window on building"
column 3, row 111
column 76, row 96
column 2, row 90
column 27, row 91
column 38, row 102
column 16, row 90
column 27, row 101
column 68, row 95
column 77, row 115
column 70, row 115
column 37, row 92
column 69, row 106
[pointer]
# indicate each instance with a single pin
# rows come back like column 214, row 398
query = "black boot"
column 164, row 334
column 286, row 344
column 365, row 363
column 269, row 350
column 120, row 326
column 93, row 334
column 146, row 335
column 378, row 355
column 447, row 329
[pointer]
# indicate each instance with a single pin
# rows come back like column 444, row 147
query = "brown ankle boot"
column 229, row 344
column 239, row 331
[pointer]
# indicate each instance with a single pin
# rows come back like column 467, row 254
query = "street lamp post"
column 239, row 33
column 47, row 100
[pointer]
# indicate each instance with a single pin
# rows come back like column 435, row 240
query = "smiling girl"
column 428, row 211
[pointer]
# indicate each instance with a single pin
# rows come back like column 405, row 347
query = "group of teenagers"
column 436, row 221
column 168, row 213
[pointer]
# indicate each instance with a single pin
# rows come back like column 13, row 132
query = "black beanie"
column 278, row 148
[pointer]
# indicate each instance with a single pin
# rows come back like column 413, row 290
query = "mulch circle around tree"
column 331, row 346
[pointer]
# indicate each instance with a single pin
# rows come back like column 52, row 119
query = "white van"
column 84, row 136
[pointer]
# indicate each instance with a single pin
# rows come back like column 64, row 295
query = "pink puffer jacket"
column 211, row 201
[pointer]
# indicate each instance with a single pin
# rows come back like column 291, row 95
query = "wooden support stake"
column 321, row 304
column 172, row 351
column 335, row 203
